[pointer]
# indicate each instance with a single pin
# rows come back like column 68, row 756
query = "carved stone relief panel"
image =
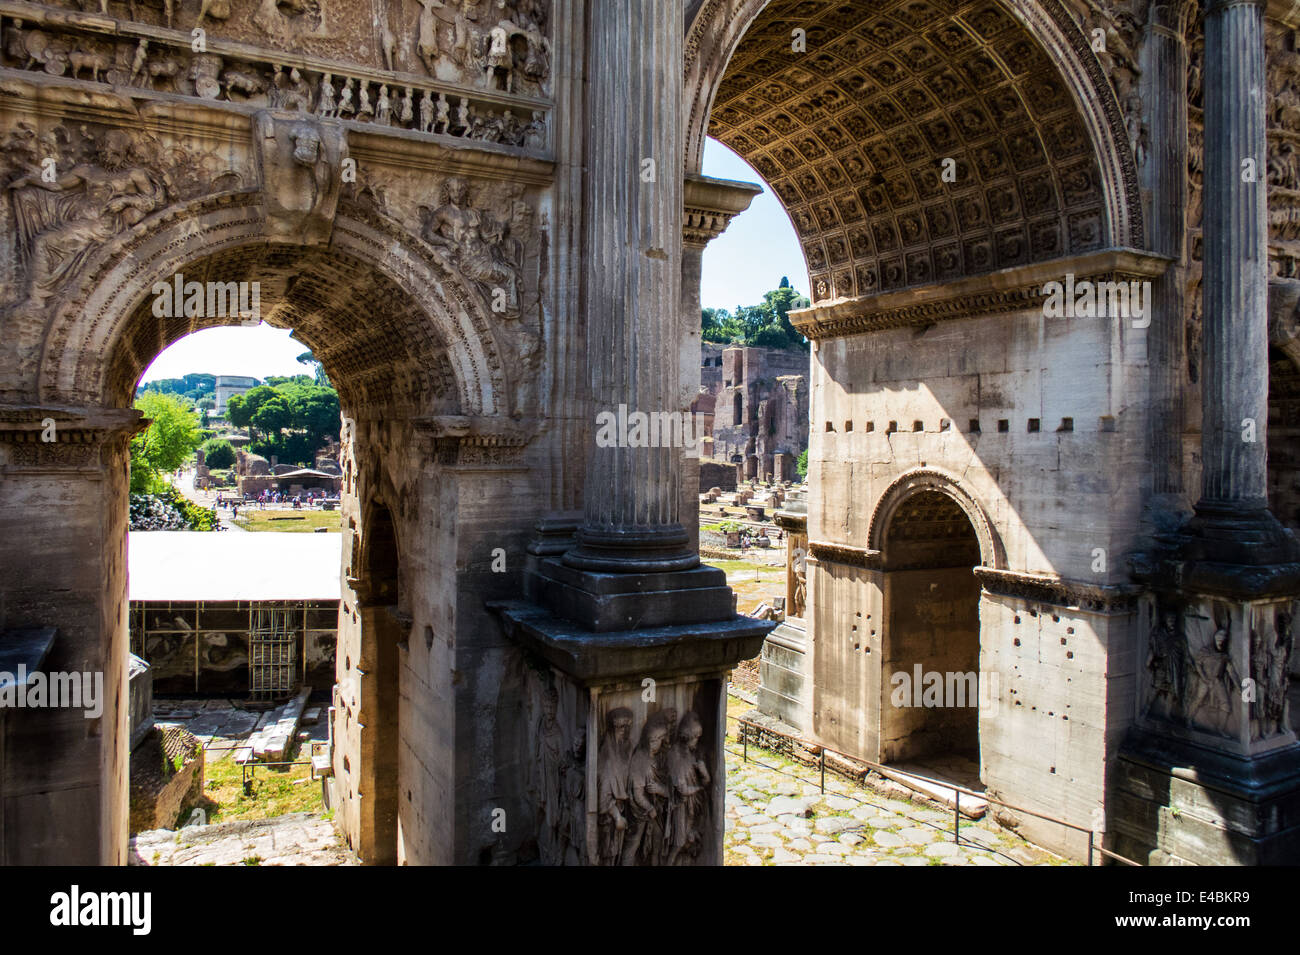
column 508, row 110
column 625, row 775
column 1217, row 669
column 658, row 776
column 68, row 189
column 1282, row 167
column 481, row 42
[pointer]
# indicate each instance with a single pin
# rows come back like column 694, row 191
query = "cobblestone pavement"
column 773, row 819
column 298, row 838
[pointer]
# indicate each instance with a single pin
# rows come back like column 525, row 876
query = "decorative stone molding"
column 1059, row 592
column 38, row 439
column 710, row 205
column 476, row 442
column 845, row 554
column 1017, row 289
column 934, row 479
column 791, row 520
column 155, row 62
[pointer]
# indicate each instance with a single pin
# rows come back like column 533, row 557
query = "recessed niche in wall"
column 1004, row 425
column 1067, row 424
column 974, row 426
column 1035, row 425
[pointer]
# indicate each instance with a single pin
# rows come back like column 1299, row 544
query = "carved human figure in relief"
column 364, row 109
column 647, row 793
column 612, row 762
column 383, row 107
column 325, row 105
column 426, row 113
column 1276, row 676
column 1165, row 666
column 297, row 94
column 60, row 223
column 550, row 782
column 572, row 848
column 690, row 792
column 346, row 106
column 442, row 122
column 1215, row 686
column 406, row 112
column 426, row 43
column 499, row 58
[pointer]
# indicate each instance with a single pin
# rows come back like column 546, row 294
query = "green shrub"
column 218, row 454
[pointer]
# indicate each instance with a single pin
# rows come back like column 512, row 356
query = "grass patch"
column 255, row 520
column 275, row 792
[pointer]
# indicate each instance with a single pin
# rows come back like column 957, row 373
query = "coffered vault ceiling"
column 852, row 136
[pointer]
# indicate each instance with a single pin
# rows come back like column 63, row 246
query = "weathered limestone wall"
column 895, row 401
column 75, row 792
column 1066, row 684
column 844, row 661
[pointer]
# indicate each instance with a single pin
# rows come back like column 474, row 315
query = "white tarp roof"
column 234, row 565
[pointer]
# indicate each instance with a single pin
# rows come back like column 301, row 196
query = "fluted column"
column 633, row 214
column 1235, row 378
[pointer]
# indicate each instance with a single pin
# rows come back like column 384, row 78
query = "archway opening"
column 931, row 666
column 390, row 363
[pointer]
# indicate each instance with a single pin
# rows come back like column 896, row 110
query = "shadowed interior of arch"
column 932, row 634
column 364, row 329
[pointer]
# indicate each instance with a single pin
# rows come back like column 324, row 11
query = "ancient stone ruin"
column 1052, row 249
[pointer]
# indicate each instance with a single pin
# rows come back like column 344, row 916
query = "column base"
column 1178, row 803
column 1227, row 551
column 633, row 550
column 604, row 602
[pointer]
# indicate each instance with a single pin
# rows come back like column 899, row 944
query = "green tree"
column 801, row 465
column 272, row 415
column 238, row 412
column 765, row 325
column 218, row 453
column 168, row 441
column 719, row 326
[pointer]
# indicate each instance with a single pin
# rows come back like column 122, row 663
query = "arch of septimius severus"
column 486, row 218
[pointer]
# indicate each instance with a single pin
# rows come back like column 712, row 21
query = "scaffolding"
column 272, row 646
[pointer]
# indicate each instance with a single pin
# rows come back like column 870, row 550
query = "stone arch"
column 1082, row 120
column 88, row 356
column 992, row 553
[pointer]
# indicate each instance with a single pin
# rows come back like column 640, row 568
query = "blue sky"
column 758, row 248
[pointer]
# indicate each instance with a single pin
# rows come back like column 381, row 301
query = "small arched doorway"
column 930, row 683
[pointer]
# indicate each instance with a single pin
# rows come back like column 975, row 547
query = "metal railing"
column 249, row 771
column 957, row 791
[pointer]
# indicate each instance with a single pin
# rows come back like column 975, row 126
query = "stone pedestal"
column 627, row 731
